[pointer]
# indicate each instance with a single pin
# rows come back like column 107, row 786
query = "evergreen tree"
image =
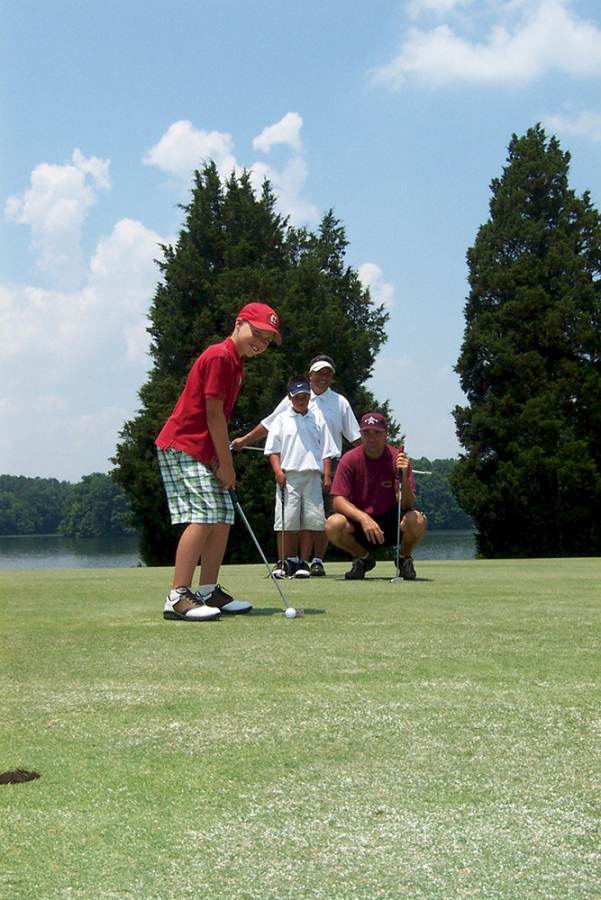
column 233, row 248
column 530, row 363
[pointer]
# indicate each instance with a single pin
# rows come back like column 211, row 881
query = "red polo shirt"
column 218, row 372
column 369, row 484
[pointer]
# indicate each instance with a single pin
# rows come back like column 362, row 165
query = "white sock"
column 295, row 559
column 205, row 589
column 174, row 596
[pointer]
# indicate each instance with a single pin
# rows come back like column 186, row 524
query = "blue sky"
column 395, row 114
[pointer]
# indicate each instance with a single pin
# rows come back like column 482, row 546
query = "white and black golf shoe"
column 223, row 602
column 184, row 606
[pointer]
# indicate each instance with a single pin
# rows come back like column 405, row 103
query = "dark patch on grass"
column 18, row 776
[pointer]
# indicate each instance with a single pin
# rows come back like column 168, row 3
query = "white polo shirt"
column 303, row 442
column 335, row 409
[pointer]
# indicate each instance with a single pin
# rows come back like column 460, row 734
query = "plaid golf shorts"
column 193, row 492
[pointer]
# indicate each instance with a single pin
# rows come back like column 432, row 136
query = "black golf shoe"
column 360, row 567
column 302, row 570
column 408, row 569
column 284, row 569
column 224, row 602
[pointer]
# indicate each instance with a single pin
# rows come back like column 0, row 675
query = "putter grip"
column 233, row 495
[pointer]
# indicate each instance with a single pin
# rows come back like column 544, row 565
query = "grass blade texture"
column 436, row 738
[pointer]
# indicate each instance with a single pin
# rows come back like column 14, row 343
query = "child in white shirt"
column 299, row 446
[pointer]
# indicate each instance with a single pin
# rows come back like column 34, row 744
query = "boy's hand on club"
column 281, row 479
column 225, row 475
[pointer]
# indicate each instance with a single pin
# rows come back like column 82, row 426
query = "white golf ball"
column 290, row 613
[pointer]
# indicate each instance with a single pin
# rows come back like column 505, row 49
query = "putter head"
column 395, row 579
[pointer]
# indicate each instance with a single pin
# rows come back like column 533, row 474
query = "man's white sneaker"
column 221, row 600
column 189, row 608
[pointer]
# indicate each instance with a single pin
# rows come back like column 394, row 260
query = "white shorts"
column 303, row 503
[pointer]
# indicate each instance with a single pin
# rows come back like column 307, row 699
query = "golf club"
column 258, row 449
column 398, row 525
column 283, row 534
column 240, row 511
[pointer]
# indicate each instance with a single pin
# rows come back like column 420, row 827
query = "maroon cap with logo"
column 262, row 316
column 373, row 421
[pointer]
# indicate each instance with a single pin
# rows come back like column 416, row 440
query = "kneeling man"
column 365, row 501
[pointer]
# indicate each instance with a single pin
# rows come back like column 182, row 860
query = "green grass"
column 432, row 739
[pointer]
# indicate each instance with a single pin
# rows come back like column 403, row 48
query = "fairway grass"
column 433, row 739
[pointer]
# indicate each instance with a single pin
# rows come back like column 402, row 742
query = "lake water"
column 53, row 552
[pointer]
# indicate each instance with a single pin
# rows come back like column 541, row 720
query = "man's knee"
column 414, row 524
column 336, row 526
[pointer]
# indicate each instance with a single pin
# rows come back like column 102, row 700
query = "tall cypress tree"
column 530, row 363
column 234, row 247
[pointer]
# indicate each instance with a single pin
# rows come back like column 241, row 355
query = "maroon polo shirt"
column 369, row 484
column 218, row 372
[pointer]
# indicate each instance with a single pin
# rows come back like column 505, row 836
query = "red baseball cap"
column 262, row 316
column 373, row 421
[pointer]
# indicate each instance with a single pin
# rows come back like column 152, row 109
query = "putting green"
column 436, row 738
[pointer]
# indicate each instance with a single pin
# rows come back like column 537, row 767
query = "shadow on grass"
column 278, row 611
column 369, row 578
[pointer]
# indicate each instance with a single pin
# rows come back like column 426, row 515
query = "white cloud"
column 109, row 309
column 417, row 8
column 545, row 36
column 55, row 206
column 585, row 123
column 74, row 353
column 184, row 148
column 288, row 184
column 371, row 276
column 73, row 361
column 286, row 131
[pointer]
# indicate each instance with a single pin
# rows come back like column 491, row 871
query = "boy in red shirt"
column 197, row 469
column 365, row 497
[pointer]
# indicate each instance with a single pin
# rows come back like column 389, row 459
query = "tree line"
column 94, row 507
column 98, row 507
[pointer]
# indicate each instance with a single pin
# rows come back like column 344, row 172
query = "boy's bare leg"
column 320, row 544
column 281, row 554
column 308, row 540
column 212, row 553
column 199, row 539
column 290, row 547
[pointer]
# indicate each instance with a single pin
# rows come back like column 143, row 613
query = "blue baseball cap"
column 300, row 386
